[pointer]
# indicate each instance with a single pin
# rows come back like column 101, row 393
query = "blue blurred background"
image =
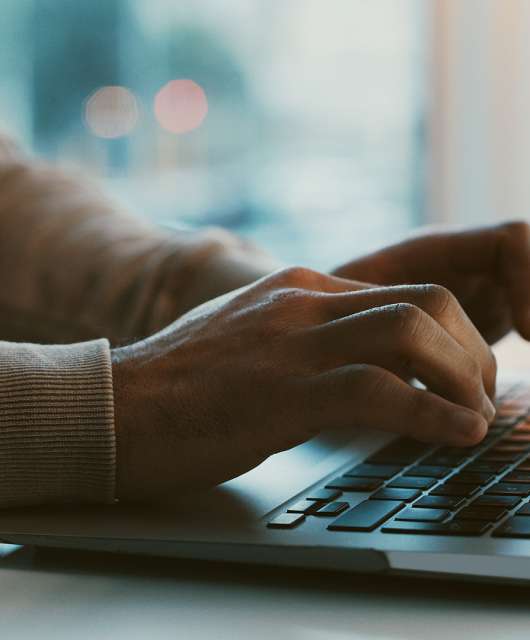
column 298, row 123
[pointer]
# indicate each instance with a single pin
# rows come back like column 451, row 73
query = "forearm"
column 75, row 267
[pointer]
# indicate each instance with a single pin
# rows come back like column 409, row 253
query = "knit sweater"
column 78, row 275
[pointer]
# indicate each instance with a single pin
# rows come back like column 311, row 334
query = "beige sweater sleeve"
column 76, row 269
column 57, row 440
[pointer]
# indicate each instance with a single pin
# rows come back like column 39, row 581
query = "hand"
column 266, row 367
column 487, row 269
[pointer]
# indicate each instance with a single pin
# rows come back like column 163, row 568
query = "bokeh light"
column 111, row 112
column 181, row 106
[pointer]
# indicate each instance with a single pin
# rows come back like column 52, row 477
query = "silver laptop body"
column 230, row 523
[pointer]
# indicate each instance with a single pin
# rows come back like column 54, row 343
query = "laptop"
column 358, row 501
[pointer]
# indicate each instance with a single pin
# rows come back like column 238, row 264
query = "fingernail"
column 488, row 409
column 468, row 423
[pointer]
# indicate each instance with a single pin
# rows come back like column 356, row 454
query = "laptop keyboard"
column 417, row 488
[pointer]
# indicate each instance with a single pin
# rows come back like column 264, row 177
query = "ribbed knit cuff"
column 57, row 440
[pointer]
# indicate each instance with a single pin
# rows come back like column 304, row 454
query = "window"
column 298, row 123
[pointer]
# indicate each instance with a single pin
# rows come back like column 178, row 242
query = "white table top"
column 64, row 595
column 90, row 596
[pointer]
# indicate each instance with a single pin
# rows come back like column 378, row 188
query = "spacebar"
column 366, row 516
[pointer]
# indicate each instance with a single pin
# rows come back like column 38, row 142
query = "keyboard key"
column 439, row 502
column 507, row 489
column 450, row 489
column 444, row 460
column 366, row 516
column 423, row 515
column 519, row 448
column 286, row 521
column 524, row 510
column 469, row 477
column 499, row 456
column 428, row 471
column 521, row 428
column 383, row 471
column 485, row 467
column 354, row 484
column 504, row 421
column 303, row 506
column 402, row 495
column 412, row 483
column 524, row 466
column 518, row 437
column 493, row 501
column 487, row 514
column 453, row 528
column 324, row 495
column 516, row 527
column 331, row 509
column 399, row 452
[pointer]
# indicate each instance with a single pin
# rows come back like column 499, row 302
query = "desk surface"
column 64, row 595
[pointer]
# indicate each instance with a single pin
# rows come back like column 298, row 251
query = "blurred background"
column 318, row 129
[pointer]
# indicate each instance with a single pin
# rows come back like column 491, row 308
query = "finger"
column 368, row 396
column 500, row 251
column 399, row 337
column 439, row 303
column 514, row 265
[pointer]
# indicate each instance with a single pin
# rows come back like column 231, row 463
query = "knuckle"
column 472, row 372
column 294, row 276
column 437, row 298
column 405, row 320
column 296, row 307
column 371, row 378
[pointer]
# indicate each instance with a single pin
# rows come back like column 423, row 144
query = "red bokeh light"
column 181, row 106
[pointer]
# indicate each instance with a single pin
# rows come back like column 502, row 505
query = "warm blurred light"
column 181, row 106
column 111, row 112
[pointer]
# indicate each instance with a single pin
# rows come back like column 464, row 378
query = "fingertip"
column 470, row 428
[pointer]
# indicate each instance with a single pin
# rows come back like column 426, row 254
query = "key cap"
column 471, row 478
column 400, row 452
column 485, row 467
column 438, row 502
column 423, row 515
column 286, row 521
column 331, row 509
column 384, row 471
column 324, row 495
column 487, row 514
column 499, row 456
column 523, row 466
column 428, row 471
column 303, row 506
column 518, row 437
column 521, row 428
column 444, row 461
column 504, row 421
column 453, row 528
column 507, row 489
column 412, row 483
column 524, row 510
column 501, row 501
column 511, row 448
column 366, row 516
column 449, row 489
column 516, row 527
column 354, row 484
column 402, row 495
